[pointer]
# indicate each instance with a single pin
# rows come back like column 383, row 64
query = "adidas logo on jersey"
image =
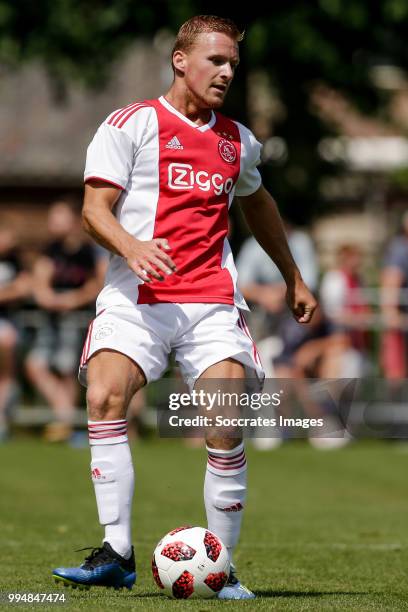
column 174, row 143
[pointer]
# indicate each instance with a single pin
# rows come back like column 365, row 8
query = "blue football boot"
column 103, row 567
column 233, row 589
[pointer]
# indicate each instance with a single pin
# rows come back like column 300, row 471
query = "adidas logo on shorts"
column 174, row 143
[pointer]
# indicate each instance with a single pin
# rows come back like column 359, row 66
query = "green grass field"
column 322, row 530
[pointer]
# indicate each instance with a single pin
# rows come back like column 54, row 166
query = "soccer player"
column 160, row 176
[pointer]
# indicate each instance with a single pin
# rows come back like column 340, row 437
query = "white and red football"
column 190, row 562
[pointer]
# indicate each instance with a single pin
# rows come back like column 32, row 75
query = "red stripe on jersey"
column 120, row 111
column 125, row 111
column 127, row 116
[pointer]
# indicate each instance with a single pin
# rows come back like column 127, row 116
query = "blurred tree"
column 337, row 42
column 298, row 43
column 74, row 38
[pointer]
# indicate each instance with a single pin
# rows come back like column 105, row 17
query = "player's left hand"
column 301, row 301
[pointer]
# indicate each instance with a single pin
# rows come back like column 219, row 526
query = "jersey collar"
column 201, row 128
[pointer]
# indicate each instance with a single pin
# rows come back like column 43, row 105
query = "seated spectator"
column 346, row 308
column 333, row 345
column 15, row 285
column 308, row 351
column 264, row 288
column 262, row 284
column 67, row 278
column 394, row 306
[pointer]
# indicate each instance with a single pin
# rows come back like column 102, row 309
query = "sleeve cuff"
column 96, row 177
column 247, row 190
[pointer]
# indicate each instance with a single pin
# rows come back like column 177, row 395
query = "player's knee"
column 34, row 367
column 105, row 403
column 8, row 339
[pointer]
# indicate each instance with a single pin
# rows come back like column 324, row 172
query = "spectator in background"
column 333, row 346
column 394, row 305
column 346, row 308
column 15, row 285
column 314, row 352
column 67, row 277
column 305, row 352
column 271, row 323
column 262, row 284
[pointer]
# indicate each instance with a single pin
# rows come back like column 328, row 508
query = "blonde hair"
column 189, row 31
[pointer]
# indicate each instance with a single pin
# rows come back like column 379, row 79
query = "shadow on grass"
column 270, row 593
column 143, row 595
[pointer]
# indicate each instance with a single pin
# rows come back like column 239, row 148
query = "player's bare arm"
column 391, row 283
column 46, row 297
column 145, row 258
column 262, row 216
column 77, row 298
column 42, row 286
column 18, row 288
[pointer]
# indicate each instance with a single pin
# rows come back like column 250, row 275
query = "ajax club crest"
column 227, row 151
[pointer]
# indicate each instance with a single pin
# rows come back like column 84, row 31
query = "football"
column 190, row 562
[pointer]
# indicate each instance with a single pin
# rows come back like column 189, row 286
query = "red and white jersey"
column 178, row 181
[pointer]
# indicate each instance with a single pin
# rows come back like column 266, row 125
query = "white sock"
column 225, row 492
column 113, row 478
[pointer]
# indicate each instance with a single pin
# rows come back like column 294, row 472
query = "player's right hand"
column 300, row 300
column 149, row 259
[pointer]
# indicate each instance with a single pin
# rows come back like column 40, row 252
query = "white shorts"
column 199, row 334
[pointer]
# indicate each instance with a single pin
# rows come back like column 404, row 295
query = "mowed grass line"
column 322, row 530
